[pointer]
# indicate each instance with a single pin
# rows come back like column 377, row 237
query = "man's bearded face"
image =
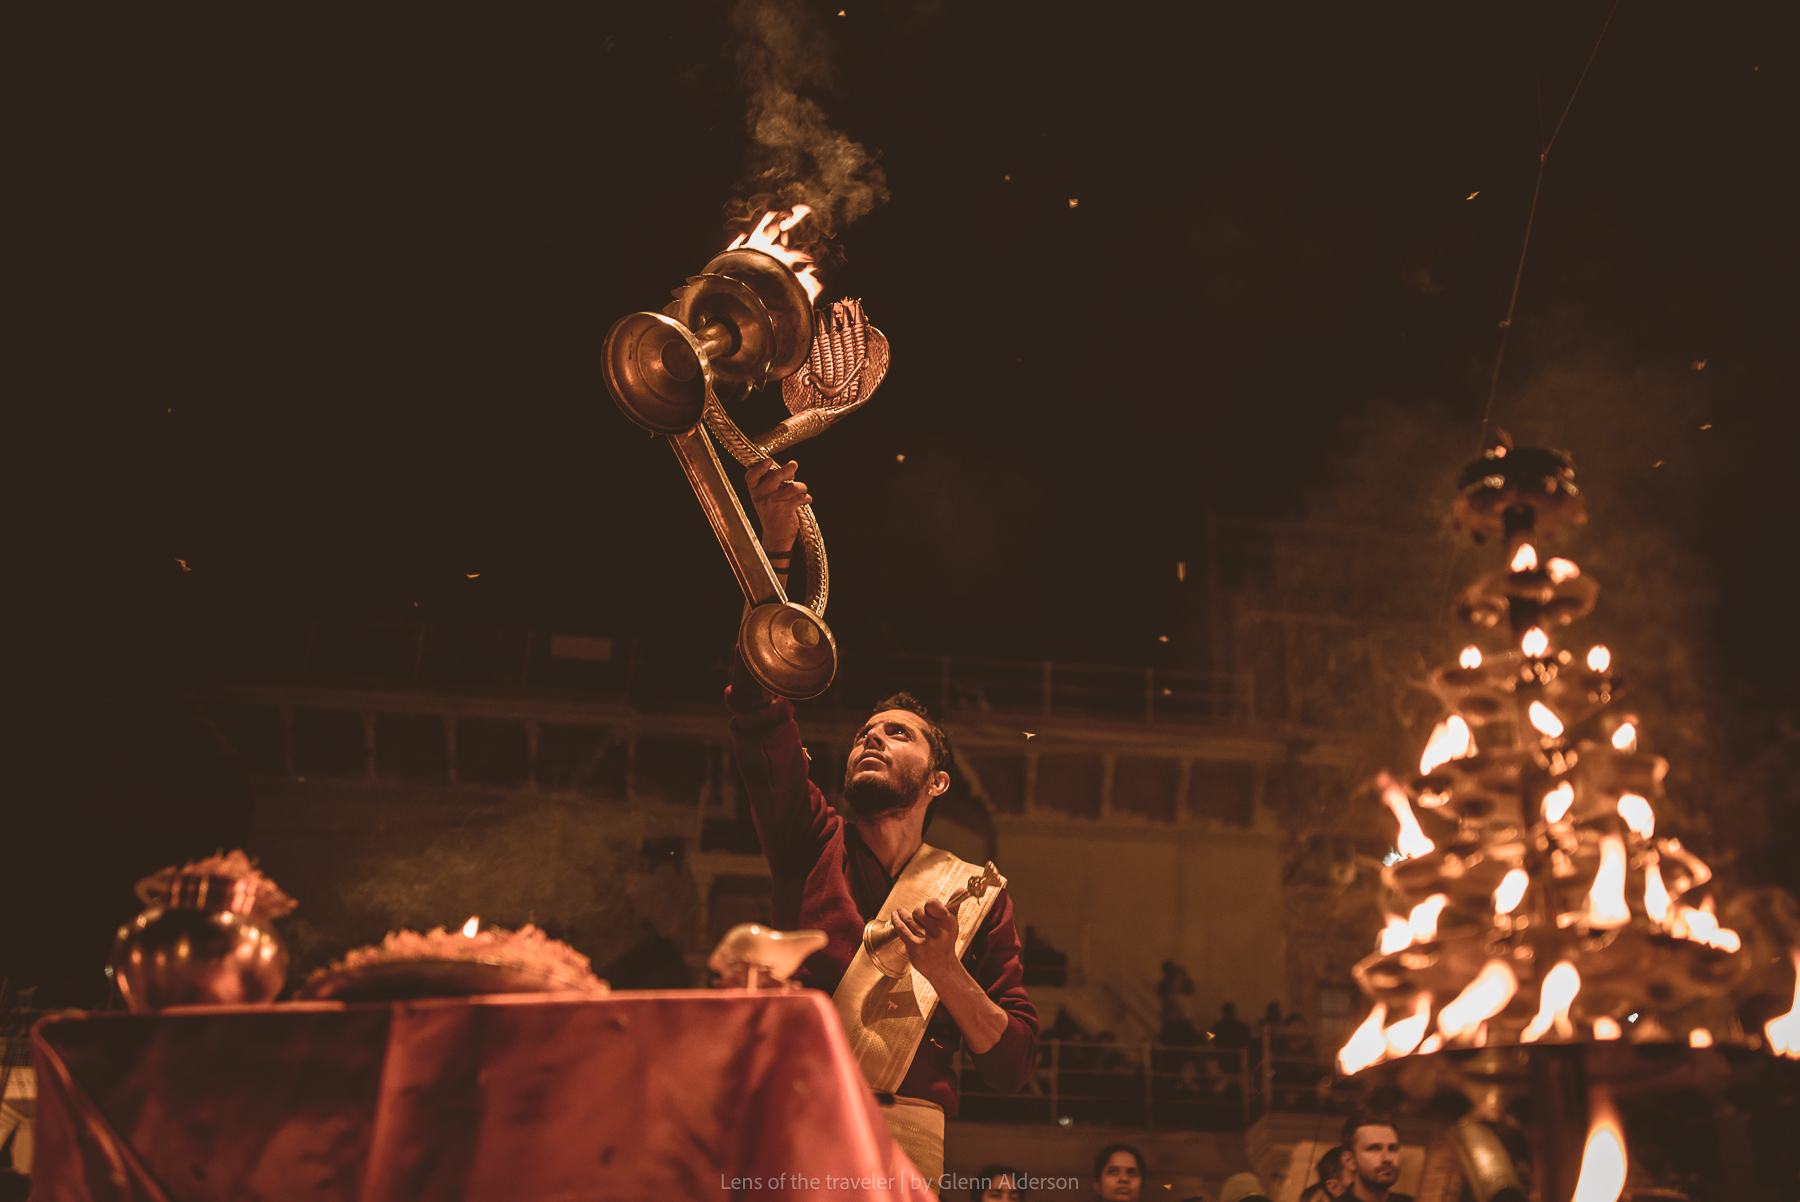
column 888, row 767
column 1376, row 1156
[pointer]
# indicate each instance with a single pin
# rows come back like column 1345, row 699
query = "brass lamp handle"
column 747, row 453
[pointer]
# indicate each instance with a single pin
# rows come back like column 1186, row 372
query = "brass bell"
column 881, row 937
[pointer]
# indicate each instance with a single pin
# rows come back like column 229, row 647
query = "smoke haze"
column 795, row 154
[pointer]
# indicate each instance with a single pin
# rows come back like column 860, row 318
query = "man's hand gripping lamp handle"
column 881, row 937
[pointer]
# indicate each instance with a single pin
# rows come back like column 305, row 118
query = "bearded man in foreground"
column 836, row 871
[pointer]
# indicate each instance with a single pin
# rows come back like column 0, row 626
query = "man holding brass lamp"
column 960, row 979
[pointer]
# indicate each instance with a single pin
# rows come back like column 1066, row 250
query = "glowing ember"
column 1470, row 657
column 1656, row 894
column 1525, row 558
column 1558, row 991
column 471, row 926
column 1423, row 920
column 1511, row 891
column 1700, row 1037
column 770, row 236
column 1603, row 1161
column 1411, row 841
column 1637, row 813
column 1606, row 900
column 1561, row 570
column 1625, row 738
column 1535, row 643
column 1481, row 999
column 1365, row 1045
column 1450, row 740
column 1396, row 936
column 1404, row 1036
column 1544, row 720
column 1784, row 1029
column 1605, row 1029
column 1599, row 659
column 1557, row 802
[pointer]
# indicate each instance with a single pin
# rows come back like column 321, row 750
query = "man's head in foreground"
column 998, row 1183
column 900, row 759
column 1335, row 1174
column 1374, row 1155
column 1119, row 1173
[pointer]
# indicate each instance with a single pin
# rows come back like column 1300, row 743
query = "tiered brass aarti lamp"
column 1536, row 912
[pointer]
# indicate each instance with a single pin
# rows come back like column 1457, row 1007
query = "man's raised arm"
column 792, row 818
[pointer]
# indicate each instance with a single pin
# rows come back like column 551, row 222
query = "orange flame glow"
column 1404, row 1036
column 1557, row 802
column 1535, row 642
column 770, row 236
column 1702, row 926
column 1411, row 841
column 1606, row 900
column 1481, row 999
column 1470, row 657
column 1561, row 570
column 471, row 926
column 1784, row 1029
column 1637, row 814
column 1544, row 720
column 1423, row 921
column 1606, row 1030
column 1450, row 740
column 1599, row 659
column 1365, row 1045
column 1511, row 891
column 1700, row 1037
column 1603, row 1162
column 1555, row 995
column 1525, row 558
column 1656, row 894
column 1625, row 738
column 1396, row 936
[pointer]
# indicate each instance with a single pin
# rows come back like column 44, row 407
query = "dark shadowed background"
column 312, row 304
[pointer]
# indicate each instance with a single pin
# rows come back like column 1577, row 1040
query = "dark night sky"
column 315, row 301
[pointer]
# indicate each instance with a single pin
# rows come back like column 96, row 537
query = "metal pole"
column 1150, row 1086
column 1268, row 1071
column 1244, row 1078
column 1559, row 1116
column 1055, row 1077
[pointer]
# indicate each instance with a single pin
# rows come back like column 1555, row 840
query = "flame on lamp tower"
column 1366, row 1045
column 1603, row 1161
column 1784, row 1030
column 1412, row 841
column 1481, row 999
column 1555, row 995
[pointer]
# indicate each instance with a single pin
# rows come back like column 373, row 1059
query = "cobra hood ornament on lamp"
column 747, row 320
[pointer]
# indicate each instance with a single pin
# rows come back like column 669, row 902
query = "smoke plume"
column 795, row 155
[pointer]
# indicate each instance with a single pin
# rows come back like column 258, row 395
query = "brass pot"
column 204, row 945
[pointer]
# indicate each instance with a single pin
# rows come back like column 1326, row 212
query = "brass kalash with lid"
column 744, row 322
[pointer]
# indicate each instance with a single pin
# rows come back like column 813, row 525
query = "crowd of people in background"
column 1206, row 1078
column 1365, row 1167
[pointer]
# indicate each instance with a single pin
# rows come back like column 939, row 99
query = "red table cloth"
column 705, row 1095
